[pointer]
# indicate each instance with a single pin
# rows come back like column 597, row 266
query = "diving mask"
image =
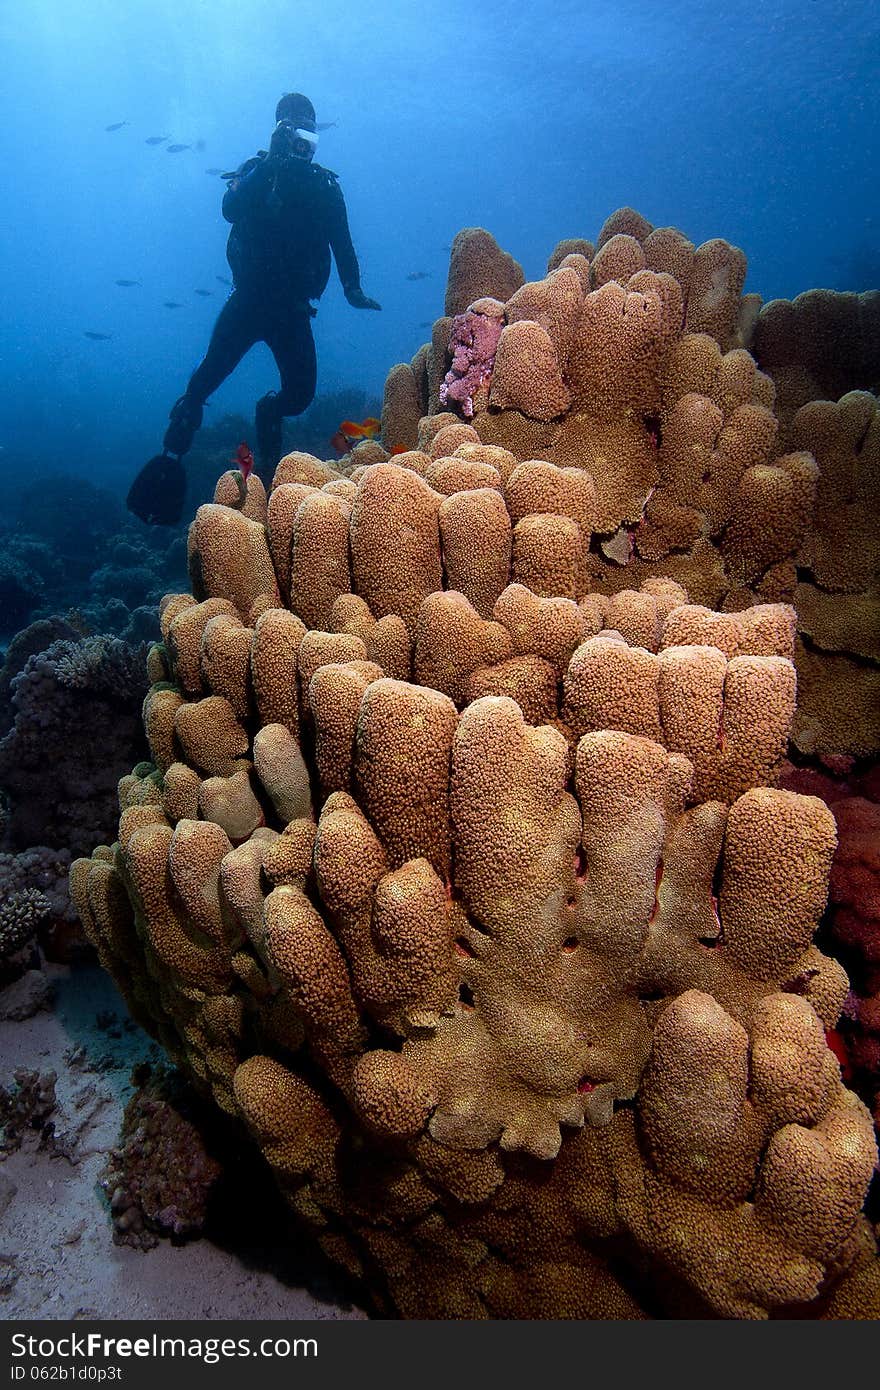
column 291, row 141
column 300, row 142
column 305, row 142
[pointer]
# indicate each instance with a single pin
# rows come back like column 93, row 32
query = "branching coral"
column 20, row 915
column 34, row 889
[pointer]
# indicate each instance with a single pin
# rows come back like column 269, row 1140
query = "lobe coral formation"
column 460, row 873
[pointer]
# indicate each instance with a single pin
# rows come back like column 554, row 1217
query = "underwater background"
column 757, row 123
column 754, row 121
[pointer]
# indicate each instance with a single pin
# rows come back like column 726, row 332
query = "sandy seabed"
column 57, row 1256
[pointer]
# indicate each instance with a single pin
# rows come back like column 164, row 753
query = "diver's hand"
column 279, row 145
column 358, row 300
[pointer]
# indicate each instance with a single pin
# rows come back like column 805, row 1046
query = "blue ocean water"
column 756, row 121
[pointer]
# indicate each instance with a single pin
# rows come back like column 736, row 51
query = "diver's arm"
column 344, row 252
column 247, row 188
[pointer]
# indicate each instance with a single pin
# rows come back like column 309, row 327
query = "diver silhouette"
column 288, row 214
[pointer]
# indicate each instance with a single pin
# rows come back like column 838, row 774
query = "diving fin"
column 158, row 491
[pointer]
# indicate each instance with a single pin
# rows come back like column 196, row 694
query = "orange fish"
column 350, row 432
column 367, row 429
column 245, row 460
column 400, row 449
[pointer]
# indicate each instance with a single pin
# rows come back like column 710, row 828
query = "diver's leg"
column 268, row 422
column 293, row 347
column 235, row 333
column 185, row 418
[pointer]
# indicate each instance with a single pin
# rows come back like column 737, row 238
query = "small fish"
column 171, row 304
column 350, row 432
column 175, row 149
column 245, row 460
column 399, row 449
column 366, row 429
column 213, row 171
column 117, row 125
column 326, row 125
column 223, row 280
column 419, row 275
column 98, row 337
column 156, row 139
column 127, row 284
column 206, row 294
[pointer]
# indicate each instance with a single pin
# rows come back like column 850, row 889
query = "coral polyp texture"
column 459, row 873
column 819, row 345
column 628, row 362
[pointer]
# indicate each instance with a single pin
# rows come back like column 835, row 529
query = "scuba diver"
column 287, row 215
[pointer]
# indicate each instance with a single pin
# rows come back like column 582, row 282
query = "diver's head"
column 295, row 114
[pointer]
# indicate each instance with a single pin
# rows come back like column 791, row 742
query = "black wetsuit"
column 286, row 220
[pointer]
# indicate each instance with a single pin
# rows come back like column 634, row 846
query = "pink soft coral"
column 473, row 343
